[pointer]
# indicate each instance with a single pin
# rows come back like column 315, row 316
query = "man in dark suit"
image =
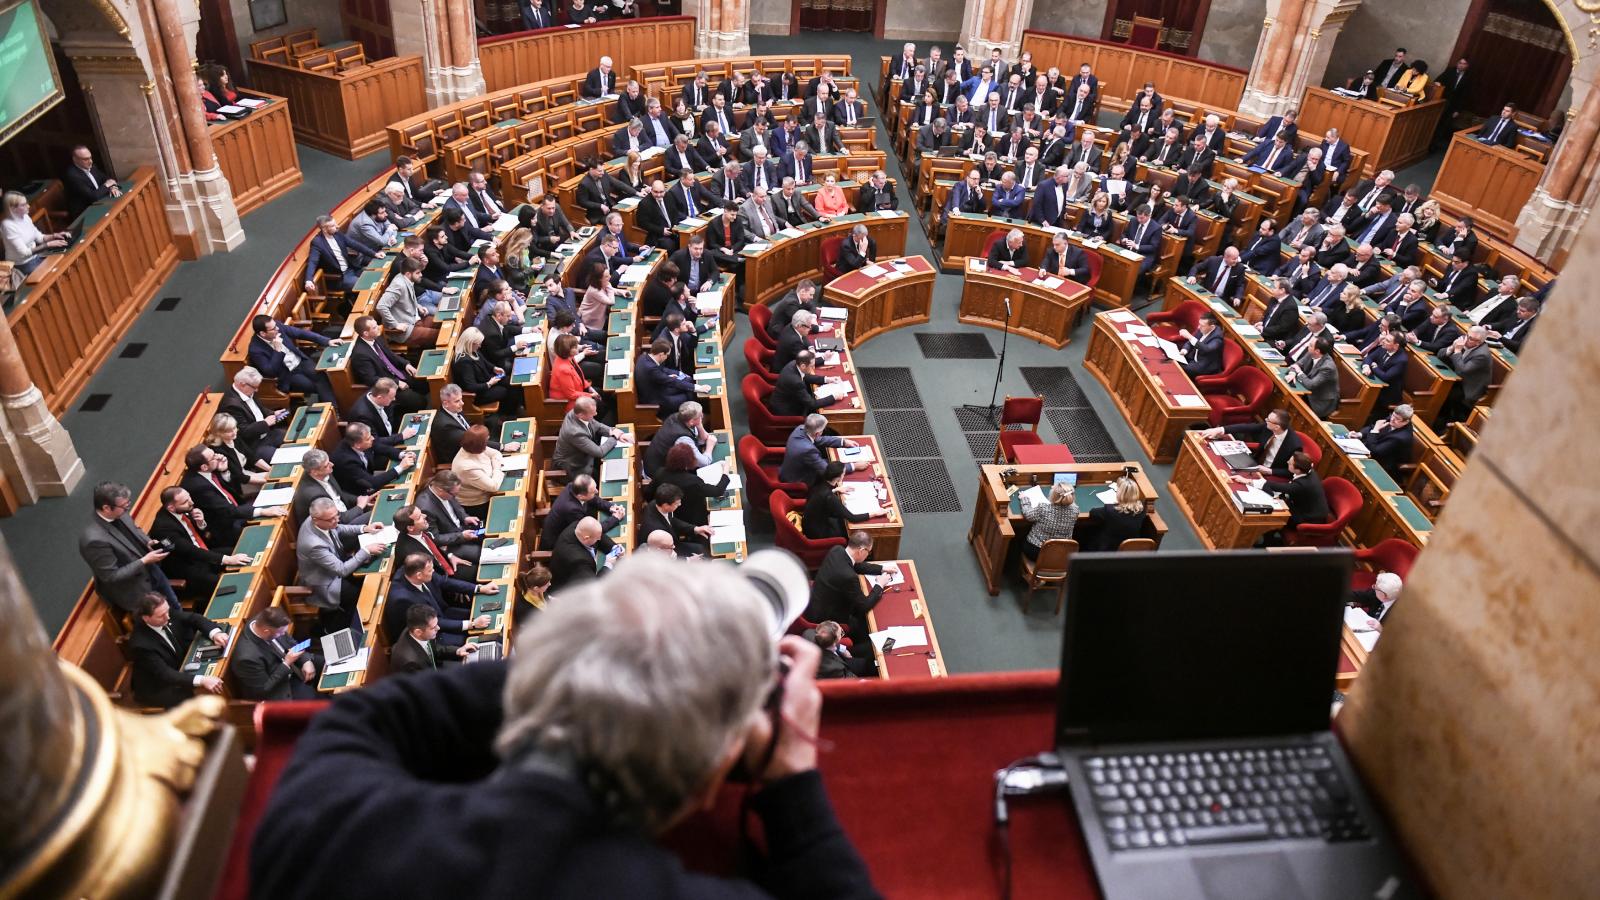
column 633, row 137
column 726, row 235
column 600, row 81
column 1308, row 502
column 1221, row 274
column 1262, row 252
column 119, row 553
column 792, row 395
column 1511, row 334
column 419, row 583
column 451, row 528
column 858, row 250
column 274, row 354
column 378, row 410
column 1010, row 253
column 1459, row 283
column 1143, row 237
column 1065, row 260
column 660, row 514
column 1389, row 439
column 192, row 559
column 696, row 94
column 598, row 190
column 225, row 511
column 550, row 226
column 727, row 183
column 689, row 199
column 85, row 183
column 1275, row 439
column 318, row 482
column 1389, row 72
column 1284, row 125
column 419, row 649
column 1280, row 323
column 1202, row 352
column 265, row 665
column 260, row 430
column 1275, row 156
column 696, row 267
column 574, row 559
column 580, row 498
column 536, row 14
column 796, row 163
column 1436, row 333
column 655, row 216
column 795, row 338
column 876, row 194
column 337, row 256
column 1469, row 357
column 1335, row 156
column 836, row 662
column 836, row 593
column 358, row 461
column 1500, row 130
column 660, row 385
column 157, row 645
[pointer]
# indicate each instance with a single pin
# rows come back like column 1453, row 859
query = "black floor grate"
column 981, row 443
column 133, row 351
column 1055, row 384
column 889, row 387
column 904, row 433
column 954, row 345
column 1081, row 431
column 923, row 486
column 168, row 304
column 95, row 403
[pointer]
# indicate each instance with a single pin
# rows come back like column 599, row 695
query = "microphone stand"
column 993, row 409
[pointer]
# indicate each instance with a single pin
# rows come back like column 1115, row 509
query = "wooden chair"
column 1146, row 32
column 1137, row 545
column 319, row 62
column 350, row 57
column 1049, row 568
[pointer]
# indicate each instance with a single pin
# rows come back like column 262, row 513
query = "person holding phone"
column 268, row 664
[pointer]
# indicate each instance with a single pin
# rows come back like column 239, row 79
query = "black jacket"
column 570, row 562
column 1308, row 503
column 420, row 749
column 792, row 395
column 697, row 495
column 1258, row 434
column 1108, row 527
column 199, row 566
column 836, row 593
column 158, row 679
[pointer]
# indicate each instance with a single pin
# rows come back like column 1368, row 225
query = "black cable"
column 1045, row 763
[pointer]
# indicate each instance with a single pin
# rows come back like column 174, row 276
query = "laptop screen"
column 1187, row 645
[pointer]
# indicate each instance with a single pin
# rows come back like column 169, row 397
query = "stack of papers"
column 757, row 246
column 1122, row 315
column 499, row 554
column 635, row 274
column 1140, row 329
column 835, row 391
column 1107, row 496
column 357, row 663
column 1360, row 624
column 905, row 637
column 1171, row 350
column 527, row 339
column 278, row 496
column 291, row 454
column 888, row 213
column 1190, row 400
column 617, row 368
column 1051, row 282
column 693, row 222
column 789, row 233
column 836, row 313
column 727, row 526
column 873, row 271
column 891, row 575
column 251, row 102
column 857, row 455
column 1352, row 446
column 515, row 463
column 708, row 303
column 505, row 223
column 230, row 110
column 860, row 497
column 1229, row 448
column 614, row 470
column 977, row 264
column 1032, row 497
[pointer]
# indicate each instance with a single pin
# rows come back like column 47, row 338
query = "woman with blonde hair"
column 1111, row 525
column 222, row 436
column 23, row 239
column 1428, row 223
column 1053, row 521
column 1347, row 315
column 830, row 200
column 516, row 251
column 1097, row 219
column 485, row 381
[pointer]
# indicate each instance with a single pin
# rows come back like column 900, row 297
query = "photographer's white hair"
column 604, row 677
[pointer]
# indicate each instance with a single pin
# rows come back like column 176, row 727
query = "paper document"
column 708, row 375
column 653, row 152
column 275, row 497
column 1246, row 330
column 230, row 110
column 888, row 213
column 723, row 517
column 517, row 462
column 835, row 391
column 614, row 470
column 1139, row 329
column 291, row 454
column 757, row 246
column 708, row 303
column 527, row 339
column 861, row 454
column 1256, row 497
column 836, row 313
column 1194, row 401
column 617, row 368
column 1356, row 619
column 977, row 264
column 499, row 554
column 1150, row 341
column 1032, row 497
column 860, row 498
column 251, row 102
column 693, row 222
column 1121, row 315
column 728, row 534
column 873, row 271
column 1352, row 446
column 626, row 203
column 1229, row 448
column 1108, row 496
column 1171, row 350
column 505, row 223
column 635, row 273
column 891, row 575
column 388, row 534
column 789, row 233
column 357, row 663
column 1052, row 282
column 905, row 637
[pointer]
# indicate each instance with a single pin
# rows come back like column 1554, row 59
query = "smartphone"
column 211, row 652
column 888, row 645
column 300, row 647
column 227, row 589
column 490, row 607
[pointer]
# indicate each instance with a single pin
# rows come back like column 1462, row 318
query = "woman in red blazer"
column 567, row 381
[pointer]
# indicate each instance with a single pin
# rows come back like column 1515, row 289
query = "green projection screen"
column 28, row 81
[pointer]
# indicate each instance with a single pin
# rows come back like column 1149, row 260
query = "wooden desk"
column 900, row 295
column 848, row 414
column 257, row 153
column 1486, row 181
column 1038, row 311
column 1145, row 385
column 885, row 529
column 73, row 309
column 1393, row 137
column 346, row 113
column 903, row 604
column 997, row 518
column 514, row 59
column 1203, row 490
column 795, row 254
column 965, row 236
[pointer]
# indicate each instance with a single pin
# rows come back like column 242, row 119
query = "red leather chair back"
column 789, row 535
column 1344, row 501
column 1186, row 315
column 1022, row 411
column 1312, row 449
column 1232, row 358
column 994, row 237
column 1094, row 269
column 830, row 256
column 769, row 428
column 1390, row 555
column 760, row 316
column 1255, row 388
column 760, row 464
column 759, row 358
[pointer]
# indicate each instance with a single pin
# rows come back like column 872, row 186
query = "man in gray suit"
column 791, row 206
column 318, row 483
column 760, row 219
column 1469, row 357
column 453, row 530
column 325, row 565
column 1317, row 373
column 119, row 554
column 582, row 441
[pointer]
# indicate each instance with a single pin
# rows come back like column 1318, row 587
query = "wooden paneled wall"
column 531, row 56
column 1488, row 182
column 257, row 153
column 345, row 114
column 1123, row 70
column 1393, row 136
column 69, row 321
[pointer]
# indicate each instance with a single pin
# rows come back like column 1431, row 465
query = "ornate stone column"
column 1296, row 39
column 988, row 24
column 442, row 33
column 1550, row 220
column 37, row 458
column 722, row 27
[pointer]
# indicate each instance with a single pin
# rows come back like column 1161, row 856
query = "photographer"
column 553, row 774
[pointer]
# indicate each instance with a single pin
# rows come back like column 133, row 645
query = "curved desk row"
column 892, row 293
column 1123, row 69
column 795, row 254
column 966, row 236
column 1043, row 307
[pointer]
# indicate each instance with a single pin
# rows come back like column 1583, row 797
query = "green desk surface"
column 516, row 431
column 254, row 539
column 726, row 548
column 617, row 452
column 423, row 422
column 613, row 490
column 231, row 606
column 388, row 501
column 508, row 123
column 1380, row 479
column 511, row 481
column 334, row 357
column 193, row 666
column 530, row 373
column 1411, row 513
column 1084, row 497
column 431, row 363
column 305, row 422
column 705, row 354
column 375, row 565
column 334, row 682
column 724, row 447
column 505, row 514
column 620, row 322
column 615, row 532
column 370, row 279
column 617, row 347
column 728, row 500
column 495, row 571
column 496, row 617
column 281, row 472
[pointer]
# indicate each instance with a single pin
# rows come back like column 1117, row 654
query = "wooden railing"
column 527, row 56
column 257, row 153
column 345, row 114
column 1123, row 70
column 75, row 307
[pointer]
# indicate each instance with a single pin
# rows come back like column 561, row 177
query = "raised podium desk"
column 903, row 604
column 1154, row 394
column 1393, row 136
column 1039, row 310
column 966, row 234
column 772, row 267
column 1202, row 488
column 885, row 529
column 892, row 293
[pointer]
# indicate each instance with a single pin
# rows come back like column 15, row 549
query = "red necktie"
column 444, row 561
column 218, row 483
column 194, row 534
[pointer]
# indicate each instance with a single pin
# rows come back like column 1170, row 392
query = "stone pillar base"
column 451, row 84
column 202, row 214
column 36, row 453
column 1258, row 103
column 723, row 43
column 1546, row 226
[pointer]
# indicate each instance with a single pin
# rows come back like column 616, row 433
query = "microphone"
column 1008, row 307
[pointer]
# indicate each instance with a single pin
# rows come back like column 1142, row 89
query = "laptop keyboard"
column 1221, row 796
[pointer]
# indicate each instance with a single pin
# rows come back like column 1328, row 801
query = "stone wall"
column 1427, row 30
column 1082, row 18
column 1233, row 28
column 923, row 21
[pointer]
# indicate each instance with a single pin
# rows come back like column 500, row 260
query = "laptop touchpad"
column 1248, row 876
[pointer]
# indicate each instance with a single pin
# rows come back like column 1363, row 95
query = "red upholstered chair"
column 1311, row 447
column 994, row 237
column 830, row 257
column 760, row 315
column 1018, row 411
column 760, row 464
column 1167, row 324
column 1145, row 32
column 1232, row 358
column 760, row 358
column 786, row 519
column 1094, row 269
column 770, row 429
column 1391, row 555
column 1242, row 397
column 1344, row 501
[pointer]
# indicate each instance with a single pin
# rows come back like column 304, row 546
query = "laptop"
column 1193, row 722
column 338, row 646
